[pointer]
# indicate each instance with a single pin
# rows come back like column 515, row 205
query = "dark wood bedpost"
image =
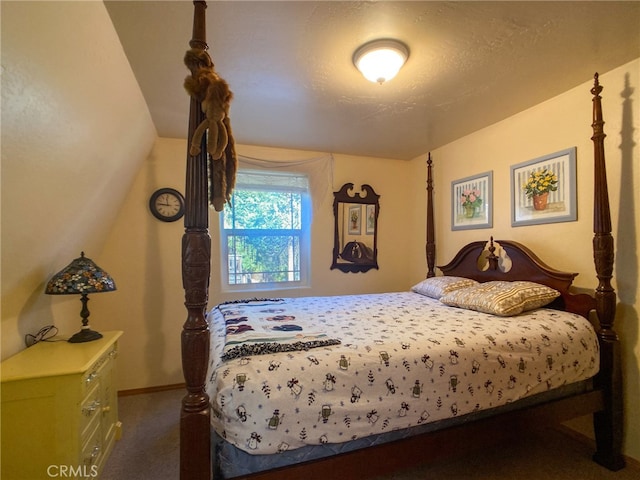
column 431, row 242
column 607, row 423
column 195, row 433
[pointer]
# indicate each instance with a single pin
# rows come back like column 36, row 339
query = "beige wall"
column 556, row 124
column 75, row 129
column 144, row 256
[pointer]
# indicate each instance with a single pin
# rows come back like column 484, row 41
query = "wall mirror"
column 355, row 247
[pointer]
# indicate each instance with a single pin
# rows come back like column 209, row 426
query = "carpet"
column 149, row 450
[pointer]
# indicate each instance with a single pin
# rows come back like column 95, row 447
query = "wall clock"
column 167, row 204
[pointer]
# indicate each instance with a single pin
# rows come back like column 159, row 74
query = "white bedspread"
column 404, row 359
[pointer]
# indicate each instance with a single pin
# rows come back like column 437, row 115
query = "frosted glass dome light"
column 381, row 60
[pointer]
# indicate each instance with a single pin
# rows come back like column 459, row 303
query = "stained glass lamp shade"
column 82, row 277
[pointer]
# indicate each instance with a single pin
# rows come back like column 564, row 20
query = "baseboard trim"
column 586, row 440
column 159, row 388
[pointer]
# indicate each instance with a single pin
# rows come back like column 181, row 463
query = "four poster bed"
column 361, row 385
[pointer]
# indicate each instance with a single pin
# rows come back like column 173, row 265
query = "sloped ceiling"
column 289, row 65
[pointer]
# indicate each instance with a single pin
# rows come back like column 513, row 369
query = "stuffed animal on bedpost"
column 214, row 95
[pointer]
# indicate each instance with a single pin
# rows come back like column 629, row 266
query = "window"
column 265, row 232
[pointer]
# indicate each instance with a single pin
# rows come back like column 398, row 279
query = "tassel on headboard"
column 214, row 95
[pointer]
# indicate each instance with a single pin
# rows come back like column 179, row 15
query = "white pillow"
column 435, row 287
column 501, row 298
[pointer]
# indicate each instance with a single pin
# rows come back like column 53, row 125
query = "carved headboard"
column 508, row 260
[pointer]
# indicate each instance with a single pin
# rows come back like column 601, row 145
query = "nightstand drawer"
column 90, row 409
column 92, row 451
column 92, row 375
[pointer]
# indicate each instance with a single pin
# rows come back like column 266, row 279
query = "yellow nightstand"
column 59, row 409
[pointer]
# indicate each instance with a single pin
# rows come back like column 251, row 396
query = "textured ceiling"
column 289, row 65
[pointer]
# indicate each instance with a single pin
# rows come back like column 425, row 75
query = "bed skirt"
column 229, row 461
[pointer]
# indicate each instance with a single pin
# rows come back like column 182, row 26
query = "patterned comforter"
column 403, row 359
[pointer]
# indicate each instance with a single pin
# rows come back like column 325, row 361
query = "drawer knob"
column 91, row 408
column 91, row 377
column 90, row 460
column 106, row 409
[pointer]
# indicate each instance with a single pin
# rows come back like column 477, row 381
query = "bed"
column 367, row 384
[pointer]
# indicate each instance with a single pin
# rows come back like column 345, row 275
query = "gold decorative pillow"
column 436, row 287
column 501, row 298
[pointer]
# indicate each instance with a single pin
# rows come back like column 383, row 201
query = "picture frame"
column 370, row 219
column 472, row 202
column 354, row 221
column 543, row 190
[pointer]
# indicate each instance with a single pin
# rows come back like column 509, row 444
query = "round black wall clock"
column 167, row 204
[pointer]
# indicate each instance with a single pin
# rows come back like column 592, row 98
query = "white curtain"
column 319, row 171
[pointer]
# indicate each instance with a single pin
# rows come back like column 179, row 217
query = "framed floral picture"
column 472, row 202
column 543, row 190
column 355, row 219
column 371, row 219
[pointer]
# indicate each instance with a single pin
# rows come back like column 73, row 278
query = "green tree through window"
column 264, row 231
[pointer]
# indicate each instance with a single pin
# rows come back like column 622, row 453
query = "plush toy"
column 214, row 95
column 223, row 173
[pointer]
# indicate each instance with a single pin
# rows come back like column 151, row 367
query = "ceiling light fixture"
column 381, row 60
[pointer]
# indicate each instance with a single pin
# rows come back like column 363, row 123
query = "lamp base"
column 85, row 335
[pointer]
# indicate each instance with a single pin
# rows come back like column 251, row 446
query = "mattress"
column 230, row 462
column 381, row 363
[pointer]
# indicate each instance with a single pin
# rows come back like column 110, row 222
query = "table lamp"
column 81, row 276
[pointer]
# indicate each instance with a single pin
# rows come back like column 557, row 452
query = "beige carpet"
column 149, row 449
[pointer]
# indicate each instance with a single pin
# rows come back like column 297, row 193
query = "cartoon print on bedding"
column 404, row 360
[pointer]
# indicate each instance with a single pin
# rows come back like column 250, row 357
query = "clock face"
column 167, row 204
